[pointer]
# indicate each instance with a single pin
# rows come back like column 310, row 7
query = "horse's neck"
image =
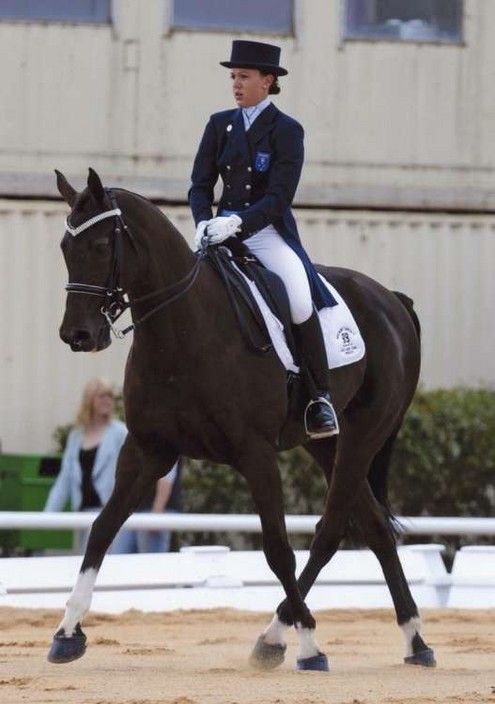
column 163, row 263
column 163, row 255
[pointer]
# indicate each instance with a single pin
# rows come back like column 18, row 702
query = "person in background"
column 87, row 472
column 258, row 151
column 166, row 497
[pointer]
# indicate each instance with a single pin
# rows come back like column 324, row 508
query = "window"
column 271, row 16
column 404, row 20
column 94, row 11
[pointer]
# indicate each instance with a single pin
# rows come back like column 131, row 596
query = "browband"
column 89, row 223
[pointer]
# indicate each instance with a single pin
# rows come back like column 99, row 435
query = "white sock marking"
column 308, row 647
column 409, row 630
column 275, row 633
column 79, row 600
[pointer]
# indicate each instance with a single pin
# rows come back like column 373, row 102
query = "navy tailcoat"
column 260, row 170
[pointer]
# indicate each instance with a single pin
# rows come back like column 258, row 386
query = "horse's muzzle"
column 81, row 340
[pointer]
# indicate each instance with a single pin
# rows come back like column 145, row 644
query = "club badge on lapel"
column 262, row 161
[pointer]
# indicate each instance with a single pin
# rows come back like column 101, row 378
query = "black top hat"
column 264, row 57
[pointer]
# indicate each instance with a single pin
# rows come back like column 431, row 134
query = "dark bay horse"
column 194, row 388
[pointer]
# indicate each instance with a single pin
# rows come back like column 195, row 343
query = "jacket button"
column 229, row 186
column 229, row 203
column 248, row 187
column 246, row 205
column 249, row 168
column 228, row 167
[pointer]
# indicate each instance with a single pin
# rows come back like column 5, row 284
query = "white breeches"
column 274, row 253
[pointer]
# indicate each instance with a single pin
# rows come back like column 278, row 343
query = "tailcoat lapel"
column 263, row 124
column 236, row 138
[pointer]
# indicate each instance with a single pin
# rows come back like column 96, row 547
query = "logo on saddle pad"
column 345, row 338
column 262, row 161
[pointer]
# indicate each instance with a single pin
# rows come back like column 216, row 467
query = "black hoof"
column 426, row 658
column 266, row 656
column 67, row 648
column 317, row 662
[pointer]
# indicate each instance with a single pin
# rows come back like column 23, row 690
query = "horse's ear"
column 95, row 186
column 65, row 189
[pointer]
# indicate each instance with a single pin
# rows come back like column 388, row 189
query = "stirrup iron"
column 323, row 433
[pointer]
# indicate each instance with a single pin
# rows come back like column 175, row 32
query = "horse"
column 193, row 387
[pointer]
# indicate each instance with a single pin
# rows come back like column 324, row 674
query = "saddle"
column 231, row 261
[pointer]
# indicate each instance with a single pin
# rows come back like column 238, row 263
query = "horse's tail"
column 408, row 304
column 378, row 478
column 379, row 469
column 378, row 481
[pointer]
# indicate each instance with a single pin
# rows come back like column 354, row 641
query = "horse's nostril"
column 81, row 335
column 75, row 338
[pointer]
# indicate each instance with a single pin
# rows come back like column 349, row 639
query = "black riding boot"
column 320, row 418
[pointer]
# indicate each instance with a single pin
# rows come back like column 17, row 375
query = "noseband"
column 116, row 299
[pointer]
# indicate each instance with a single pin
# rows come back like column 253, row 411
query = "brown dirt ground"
column 200, row 657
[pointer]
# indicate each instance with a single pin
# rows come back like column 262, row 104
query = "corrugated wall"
column 388, row 124
column 444, row 262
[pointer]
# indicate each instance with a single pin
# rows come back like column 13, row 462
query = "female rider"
column 259, row 151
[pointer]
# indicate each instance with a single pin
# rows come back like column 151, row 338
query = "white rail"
column 245, row 523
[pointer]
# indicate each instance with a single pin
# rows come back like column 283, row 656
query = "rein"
column 117, row 301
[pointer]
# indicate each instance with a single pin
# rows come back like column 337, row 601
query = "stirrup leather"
column 323, row 433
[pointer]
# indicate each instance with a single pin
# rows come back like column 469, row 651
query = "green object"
column 25, row 482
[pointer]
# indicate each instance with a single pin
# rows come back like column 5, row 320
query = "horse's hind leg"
column 374, row 527
column 371, row 520
column 261, row 471
column 346, row 473
column 136, row 474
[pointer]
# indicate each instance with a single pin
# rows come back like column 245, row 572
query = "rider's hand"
column 223, row 227
column 200, row 231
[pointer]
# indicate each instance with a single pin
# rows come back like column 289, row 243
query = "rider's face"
column 249, row 86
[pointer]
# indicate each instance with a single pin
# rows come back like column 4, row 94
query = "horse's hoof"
column 317, row 662
column 267, row 656
column 67, row 648
column 426, row 658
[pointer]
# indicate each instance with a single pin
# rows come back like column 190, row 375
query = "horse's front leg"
column 262, row 474
column 135, row 476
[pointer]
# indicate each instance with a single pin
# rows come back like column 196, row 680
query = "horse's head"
column 88, row 247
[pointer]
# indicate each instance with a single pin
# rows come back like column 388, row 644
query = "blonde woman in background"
column 87, row 473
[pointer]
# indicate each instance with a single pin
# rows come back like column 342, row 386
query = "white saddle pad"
column 343, row 341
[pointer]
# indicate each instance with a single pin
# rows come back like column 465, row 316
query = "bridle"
column 116, row 299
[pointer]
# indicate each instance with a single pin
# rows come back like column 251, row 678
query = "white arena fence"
column 200, row 577
column 197, row 522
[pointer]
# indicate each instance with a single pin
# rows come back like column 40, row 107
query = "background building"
column 398, row 102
